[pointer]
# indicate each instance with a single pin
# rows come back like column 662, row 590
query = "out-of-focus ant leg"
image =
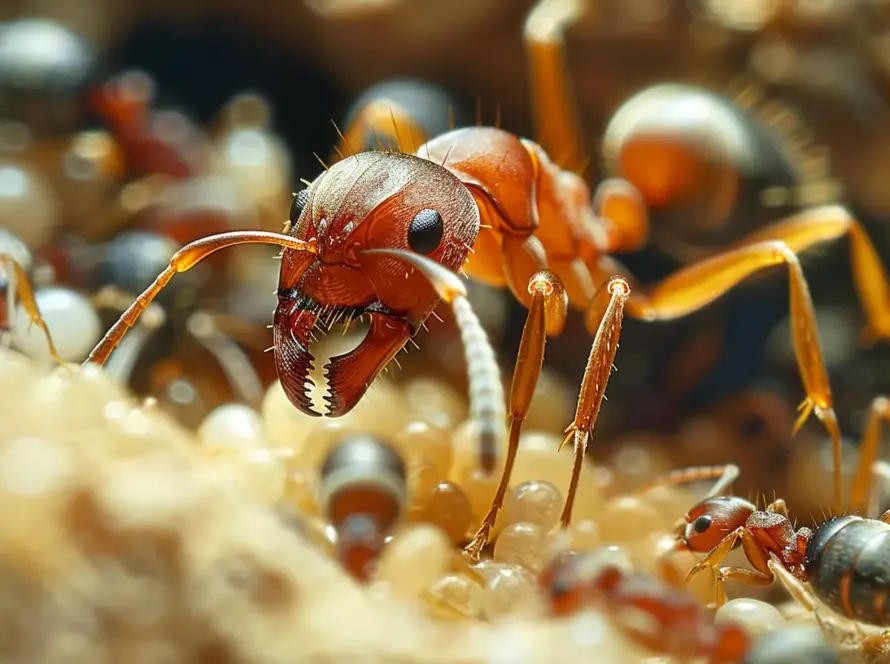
column 16, row 273
column 869, row 449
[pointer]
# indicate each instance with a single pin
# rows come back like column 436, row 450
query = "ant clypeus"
column 845, row 560
column 503, row 210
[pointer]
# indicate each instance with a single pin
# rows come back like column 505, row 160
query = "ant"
column 844, row 561
column 662, row 618
column 503, row 209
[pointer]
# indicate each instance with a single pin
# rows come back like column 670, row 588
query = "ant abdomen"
column 848, row 566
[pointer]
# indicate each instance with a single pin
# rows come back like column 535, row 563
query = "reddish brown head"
column 713, row 519
column 373, row 200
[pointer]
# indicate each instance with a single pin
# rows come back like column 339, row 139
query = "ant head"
column 713, row 519
column 368, row 201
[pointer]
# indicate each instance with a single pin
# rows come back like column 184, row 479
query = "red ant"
column 664, row 619
column 501, row 209
column 845, row 560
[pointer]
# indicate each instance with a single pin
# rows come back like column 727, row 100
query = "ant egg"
column 522, row 544
column 510, row 590
column 755, row 617
column 551, row 405
column 460, row 593
column 72, row 322
column 363, row 491
column 584, row 536
column 417, row 556
column 424, row 440
column 538, row 460
column 446, row 506
column 535, row 502
column 262, row 471
column 628, row 518
column 28, row 205
column 234, row 424
column 423, row 476
column 793, row 645
column 435, row 402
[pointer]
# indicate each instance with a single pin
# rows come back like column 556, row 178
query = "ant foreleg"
column 699, row 284
column 869, row 449
column 185, row 259
column 557, row 123
column 549, row 305
column 748, row 576
column 26, row 295
column 596, row 378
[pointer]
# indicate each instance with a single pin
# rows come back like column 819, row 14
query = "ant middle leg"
column 869, row 451
column 699, row 284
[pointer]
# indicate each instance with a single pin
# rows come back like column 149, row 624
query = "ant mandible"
column 844, row 561
column 486, row 192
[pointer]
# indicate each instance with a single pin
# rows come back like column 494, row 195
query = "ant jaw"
column 348, row 375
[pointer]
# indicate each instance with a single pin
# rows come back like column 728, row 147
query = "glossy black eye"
column 301, row 198
column 425, row 232
column 701, row 524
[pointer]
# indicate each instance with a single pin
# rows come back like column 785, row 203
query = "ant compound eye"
column 301, row 198
column 425, row 232
column 702, row 523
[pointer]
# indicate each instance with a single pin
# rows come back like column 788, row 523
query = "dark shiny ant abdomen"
column 848, row 566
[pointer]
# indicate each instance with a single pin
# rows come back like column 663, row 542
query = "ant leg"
column 26, row 295
column 548, row 302
column 869, row 449
column 778, row 507
column 557, row 124
column 715, row 556
column 749, row 576
column 596, row 378
column 385, row 122
column 185, row 259
column 699, row 284
column 880, row 471
column 793, row 585
column 725, row 476
column 829, row 222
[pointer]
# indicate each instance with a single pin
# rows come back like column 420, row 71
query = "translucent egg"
column 423, row 440
column 510, row 590
column 535, row 502
column 522, row 544
column 72, row 321
column 447, row 507
column 627, row 518
column 756, row 617
column 435, row 402
column 232, row 424
column 28, row 206
column 416, row 557
column 459, row 593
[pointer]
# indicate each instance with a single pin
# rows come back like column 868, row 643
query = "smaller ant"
column 844, row 561
column 662, row 618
